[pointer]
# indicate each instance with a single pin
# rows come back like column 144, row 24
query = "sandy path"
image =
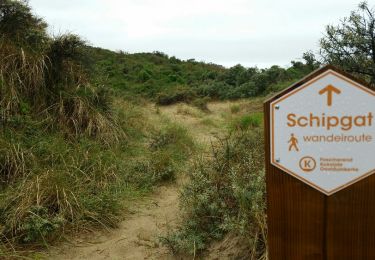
column 136, row 237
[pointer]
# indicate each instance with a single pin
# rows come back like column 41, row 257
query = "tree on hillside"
column 19, row 26
column 351, row 45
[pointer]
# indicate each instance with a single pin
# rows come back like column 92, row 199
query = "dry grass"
column 53, row 87
column 55, row 182
column 21, row 74
column 49, row 184
column 12, row 162
column 186, row 110
column 80, row 118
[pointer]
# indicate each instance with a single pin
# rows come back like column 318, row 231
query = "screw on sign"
column 320, row 147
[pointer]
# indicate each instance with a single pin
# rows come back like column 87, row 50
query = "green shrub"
column 50, row 184
column 174, row 138
column 226, row 194
column 50, row 80
column 201, row 103
column 248, row 121
column 144, row 76
column 234, row 109
column 163, row 167
column 38, row 225
column 159, row 167
column 176, row 95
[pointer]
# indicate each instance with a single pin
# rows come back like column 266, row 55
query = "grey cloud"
column 251, row 32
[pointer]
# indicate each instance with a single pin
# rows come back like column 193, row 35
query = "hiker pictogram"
column 293, row 143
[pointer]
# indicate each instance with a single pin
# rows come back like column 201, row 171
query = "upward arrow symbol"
column 330, row 90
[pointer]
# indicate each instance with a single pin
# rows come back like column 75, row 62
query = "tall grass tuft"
column 13, row 162
column 248, row 121
column 50, row 79
column 78, row 116
column 62, row 145
column 50, row 185
column 22, row 77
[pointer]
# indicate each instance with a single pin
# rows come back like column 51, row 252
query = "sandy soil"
column 136, row 237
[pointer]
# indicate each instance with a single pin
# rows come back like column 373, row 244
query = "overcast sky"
column 251, row 32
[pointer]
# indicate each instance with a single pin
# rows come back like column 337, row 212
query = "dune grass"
column 72, row 152
column 51, row 186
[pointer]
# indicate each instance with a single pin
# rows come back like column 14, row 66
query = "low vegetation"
column 248, row 121
column 226, row 195
column 71, row 153
column 168, row 80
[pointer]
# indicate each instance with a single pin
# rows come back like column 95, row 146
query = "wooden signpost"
column 320, row 160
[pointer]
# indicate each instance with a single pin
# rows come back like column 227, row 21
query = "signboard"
column 320, row 133
column 323, row 132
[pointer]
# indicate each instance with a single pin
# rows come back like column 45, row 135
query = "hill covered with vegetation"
column 167, row 80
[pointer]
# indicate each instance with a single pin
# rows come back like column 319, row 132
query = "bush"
column 19, row 25
column 78, row 116
column 175, row 139
column 181, row 94
column 38, row 225
column 201, row 103
column 168, row 150
column 159, row 167
column 225, row 195
column 234, row 109
column 248, row 121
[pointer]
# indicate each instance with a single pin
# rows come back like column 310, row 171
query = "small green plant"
column 162, row 167
column 174, row 138
column 208, row 122
column 248, row 121
column 201, row 103
column 38, row 225
column 234, row 109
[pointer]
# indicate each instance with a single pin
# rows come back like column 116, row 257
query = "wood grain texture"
column 295, row 213
column 351, row 222
column 306, row 224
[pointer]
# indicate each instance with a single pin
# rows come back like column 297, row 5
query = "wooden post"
column 303, row 222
